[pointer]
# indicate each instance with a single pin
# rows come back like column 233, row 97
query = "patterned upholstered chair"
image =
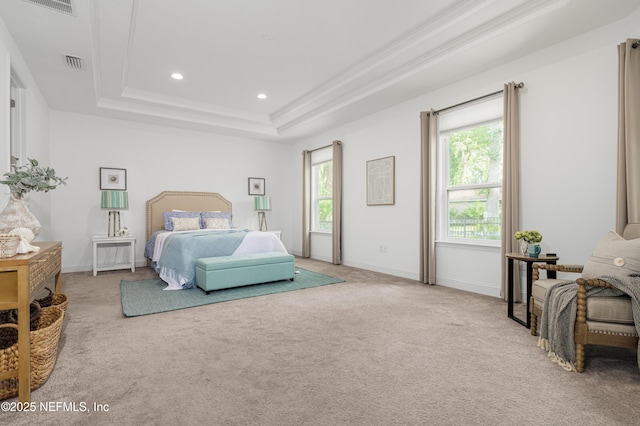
column 601, row 320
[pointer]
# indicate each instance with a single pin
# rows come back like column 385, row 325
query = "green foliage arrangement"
column 32, row 177
column 529, row 236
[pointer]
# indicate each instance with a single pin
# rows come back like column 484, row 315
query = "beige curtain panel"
column 510, row 186
column 628, row 179
column 336, row 248
column 306, row 204
column 428, row 145
column 337, row 203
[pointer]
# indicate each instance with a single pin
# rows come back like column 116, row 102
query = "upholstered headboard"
column 182, row 200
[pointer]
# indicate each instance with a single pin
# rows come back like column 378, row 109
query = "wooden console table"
column 21, row 277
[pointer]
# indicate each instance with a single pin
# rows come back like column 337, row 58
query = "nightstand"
column 278, row 233
column 129, row 241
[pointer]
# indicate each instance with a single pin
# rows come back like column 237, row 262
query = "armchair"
column 606, row 321
column 603, row 319
column 540, row 287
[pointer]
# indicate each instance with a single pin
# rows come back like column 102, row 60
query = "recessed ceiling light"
column 177, row 76
column 262, row 96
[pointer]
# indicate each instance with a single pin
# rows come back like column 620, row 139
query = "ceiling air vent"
column 73, row 62
column 64, row 6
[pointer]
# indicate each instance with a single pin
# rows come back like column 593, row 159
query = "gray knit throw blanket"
column 559, row 315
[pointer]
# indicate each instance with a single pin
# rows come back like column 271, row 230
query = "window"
column 470, row 184
column 322, row 192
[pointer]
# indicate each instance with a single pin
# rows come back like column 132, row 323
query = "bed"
column 183, row 227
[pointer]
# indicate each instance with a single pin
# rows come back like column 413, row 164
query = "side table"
column 114, row 241
column 276, row 232
column 551, row 260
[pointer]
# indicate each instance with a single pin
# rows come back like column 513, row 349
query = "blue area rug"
column 146, row 297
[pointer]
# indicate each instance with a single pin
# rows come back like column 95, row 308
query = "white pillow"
column 613, row 256
column 185, row 223
column 216, row 223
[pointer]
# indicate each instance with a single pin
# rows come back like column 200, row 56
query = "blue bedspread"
column 181, row 250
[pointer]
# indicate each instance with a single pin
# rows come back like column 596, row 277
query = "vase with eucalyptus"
column 22, row 180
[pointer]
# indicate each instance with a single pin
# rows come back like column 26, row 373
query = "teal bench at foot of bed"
column 215, row 273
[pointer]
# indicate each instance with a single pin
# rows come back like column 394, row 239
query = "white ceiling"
column 321, row 63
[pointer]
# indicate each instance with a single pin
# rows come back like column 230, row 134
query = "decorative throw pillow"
column 613, row 256
column 185, row 223
column 168, row 224
column 216, row 223
column 220, row 215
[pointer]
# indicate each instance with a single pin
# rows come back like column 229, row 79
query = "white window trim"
column 442, row 226
column 315, row 222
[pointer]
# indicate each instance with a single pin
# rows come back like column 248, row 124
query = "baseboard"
column 473, row 287
column 388, row 271
column 480, row 288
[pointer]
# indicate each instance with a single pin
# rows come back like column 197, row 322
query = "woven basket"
column 8, row 245
column 8, row 335
column 34, row 315
column 60, row 300
column 53, row 299
column 4, row 316
column 45, row 302
column 44, row 351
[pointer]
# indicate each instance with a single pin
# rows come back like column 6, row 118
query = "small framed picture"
column 113, row 179
column 256, row 186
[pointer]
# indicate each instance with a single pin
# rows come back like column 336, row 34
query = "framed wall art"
column 381, row 181
column 256, row 186
column 113, row 179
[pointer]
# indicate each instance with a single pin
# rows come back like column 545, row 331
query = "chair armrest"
column 594, row 282
column 558, row 268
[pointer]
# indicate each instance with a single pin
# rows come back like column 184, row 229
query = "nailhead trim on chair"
column 613, row 334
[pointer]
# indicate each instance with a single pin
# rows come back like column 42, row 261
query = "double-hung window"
column 322, row 191
column 470, row 173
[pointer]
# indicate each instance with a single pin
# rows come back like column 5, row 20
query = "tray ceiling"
column 321, row 64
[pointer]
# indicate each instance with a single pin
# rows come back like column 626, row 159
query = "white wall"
column 568, row 155
column 568, row 112
column 156, row 159
column 5, row 84
column 35, row 126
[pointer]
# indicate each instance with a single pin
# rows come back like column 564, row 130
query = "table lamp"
column 114, row 200
column 262, row 204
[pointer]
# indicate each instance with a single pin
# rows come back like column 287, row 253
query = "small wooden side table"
column 551, row 260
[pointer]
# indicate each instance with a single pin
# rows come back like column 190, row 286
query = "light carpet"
column 145, row 297
column 376, row 350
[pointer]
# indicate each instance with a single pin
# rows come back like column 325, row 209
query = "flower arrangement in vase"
column 21, row 181
column 527, row 238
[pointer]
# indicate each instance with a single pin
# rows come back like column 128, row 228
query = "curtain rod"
column 518, row 86
column 322, row 147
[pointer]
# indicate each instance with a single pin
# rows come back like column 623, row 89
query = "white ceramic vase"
column 524, row 246
column 17, row 215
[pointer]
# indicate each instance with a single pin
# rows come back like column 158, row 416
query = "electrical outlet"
column 383, row 249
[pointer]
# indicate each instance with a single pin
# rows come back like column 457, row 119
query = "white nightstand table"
column 110, row 242
column 278, row 233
